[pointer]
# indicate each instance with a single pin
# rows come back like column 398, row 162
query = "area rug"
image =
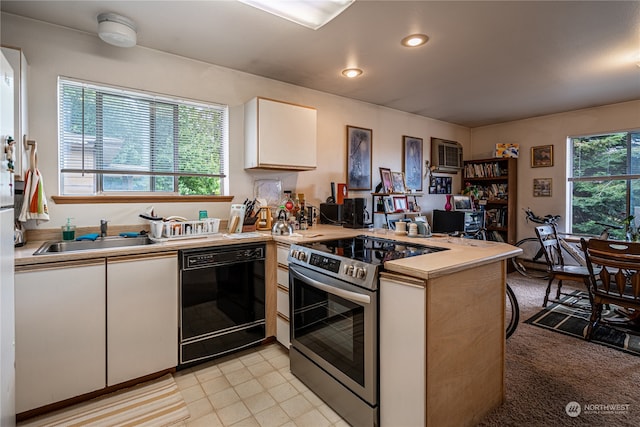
column 153, row 404
column 570, row 316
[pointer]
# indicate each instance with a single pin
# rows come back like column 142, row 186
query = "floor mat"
column 570, row 316
column 156, row 403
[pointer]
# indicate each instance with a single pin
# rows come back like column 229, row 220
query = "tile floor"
column 251, row 388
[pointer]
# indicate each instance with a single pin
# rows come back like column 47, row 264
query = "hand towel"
column 92, row 236
column 34, row 205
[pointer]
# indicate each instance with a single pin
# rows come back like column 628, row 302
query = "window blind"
column 117, row 140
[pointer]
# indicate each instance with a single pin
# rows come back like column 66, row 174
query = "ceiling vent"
column 446, row 156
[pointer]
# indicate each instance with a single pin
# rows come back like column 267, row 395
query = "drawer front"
column 282, row 331
column 283, row 254
column 283, row 302
column 283, row 277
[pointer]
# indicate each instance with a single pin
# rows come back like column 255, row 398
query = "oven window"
column 331, row 327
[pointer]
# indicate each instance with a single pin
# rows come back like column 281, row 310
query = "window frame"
column 153, row 100
column 628, row 177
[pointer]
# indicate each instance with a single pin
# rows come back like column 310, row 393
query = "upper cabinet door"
column 19, row 129
column 279, row 135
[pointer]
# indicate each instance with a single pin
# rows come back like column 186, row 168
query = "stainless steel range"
column 334, row 319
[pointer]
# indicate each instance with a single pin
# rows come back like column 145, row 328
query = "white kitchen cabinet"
column 282, row 298
column 142, row 315
column 18, row 62
column 60, row 332
column 279, row 135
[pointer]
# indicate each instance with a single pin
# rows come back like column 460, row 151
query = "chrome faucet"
column 103, row 228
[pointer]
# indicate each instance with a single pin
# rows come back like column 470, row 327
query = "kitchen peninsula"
column 441, row 319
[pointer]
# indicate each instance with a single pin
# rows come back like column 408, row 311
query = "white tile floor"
column 252, row 388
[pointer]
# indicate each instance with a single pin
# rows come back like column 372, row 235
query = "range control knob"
column 348, row 269
column 293, row 253
column 302, row 256
column 360, row 273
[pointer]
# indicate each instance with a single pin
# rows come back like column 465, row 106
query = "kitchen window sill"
column 71, row 200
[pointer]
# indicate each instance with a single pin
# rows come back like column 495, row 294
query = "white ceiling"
column 485, row 62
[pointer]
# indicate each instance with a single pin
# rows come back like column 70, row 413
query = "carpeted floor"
column 571, row 315
column 546, row 371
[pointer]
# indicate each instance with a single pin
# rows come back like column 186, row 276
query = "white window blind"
column 121, row 141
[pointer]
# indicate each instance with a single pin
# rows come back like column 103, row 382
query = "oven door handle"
column 348, row 295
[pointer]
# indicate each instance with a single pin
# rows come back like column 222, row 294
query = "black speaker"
column 353, row 214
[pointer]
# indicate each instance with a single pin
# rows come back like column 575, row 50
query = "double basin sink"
column 61, row 246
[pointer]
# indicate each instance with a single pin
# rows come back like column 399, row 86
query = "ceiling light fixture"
column 414, row 40
column 116, row 30
column 311, row 14
column 351, row 72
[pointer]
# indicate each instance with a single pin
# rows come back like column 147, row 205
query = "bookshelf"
column 496, row 182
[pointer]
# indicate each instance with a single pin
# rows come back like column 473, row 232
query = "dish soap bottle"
column 68, row 231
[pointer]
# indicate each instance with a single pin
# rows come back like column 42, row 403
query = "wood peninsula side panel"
column 465, row 345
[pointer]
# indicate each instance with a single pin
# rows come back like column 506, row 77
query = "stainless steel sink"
column 60, row 246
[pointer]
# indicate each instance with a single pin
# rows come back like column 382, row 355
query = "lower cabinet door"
column 60, row 332
column 142, row 316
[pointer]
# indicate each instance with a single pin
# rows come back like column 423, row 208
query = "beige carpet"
column 156, row 403
column 547, row 371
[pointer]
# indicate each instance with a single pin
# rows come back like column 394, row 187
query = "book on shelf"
column 484, row 170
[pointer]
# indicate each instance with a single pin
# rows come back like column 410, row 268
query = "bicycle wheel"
column 512, row 312
column 531, row 263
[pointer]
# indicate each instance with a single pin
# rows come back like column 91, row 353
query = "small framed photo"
column 385, row 177
column 388, row 204
column 397, row 180
column 542, row 156
column 462, row 203
column 412, row 162
column 400, row 203
column 541, row 187
column 359, row 144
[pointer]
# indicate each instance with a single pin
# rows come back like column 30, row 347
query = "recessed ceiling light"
column 414, row 40
column 351, row 72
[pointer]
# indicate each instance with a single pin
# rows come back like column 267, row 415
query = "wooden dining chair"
column 618, row 279
column 557, row 270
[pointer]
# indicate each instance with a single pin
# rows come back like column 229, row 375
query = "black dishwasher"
column 222, row 300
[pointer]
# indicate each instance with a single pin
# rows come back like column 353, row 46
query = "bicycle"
column 512, row 309
column 532, row 262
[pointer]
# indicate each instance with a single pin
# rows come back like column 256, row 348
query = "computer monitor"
column 447, row 221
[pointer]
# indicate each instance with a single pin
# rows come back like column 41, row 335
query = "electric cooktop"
column 371, row 250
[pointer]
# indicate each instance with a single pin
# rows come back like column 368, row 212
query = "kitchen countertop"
column 462, row 253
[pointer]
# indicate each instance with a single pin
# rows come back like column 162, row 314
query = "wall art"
column 412, row 162
column 359, row 144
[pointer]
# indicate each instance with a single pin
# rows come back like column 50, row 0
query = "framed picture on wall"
column 412, row 162
column 359, row 144
column 542, row 156
column 541, row 187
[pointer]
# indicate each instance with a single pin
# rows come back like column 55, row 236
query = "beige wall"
column 550, row 130
column 52, row 51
